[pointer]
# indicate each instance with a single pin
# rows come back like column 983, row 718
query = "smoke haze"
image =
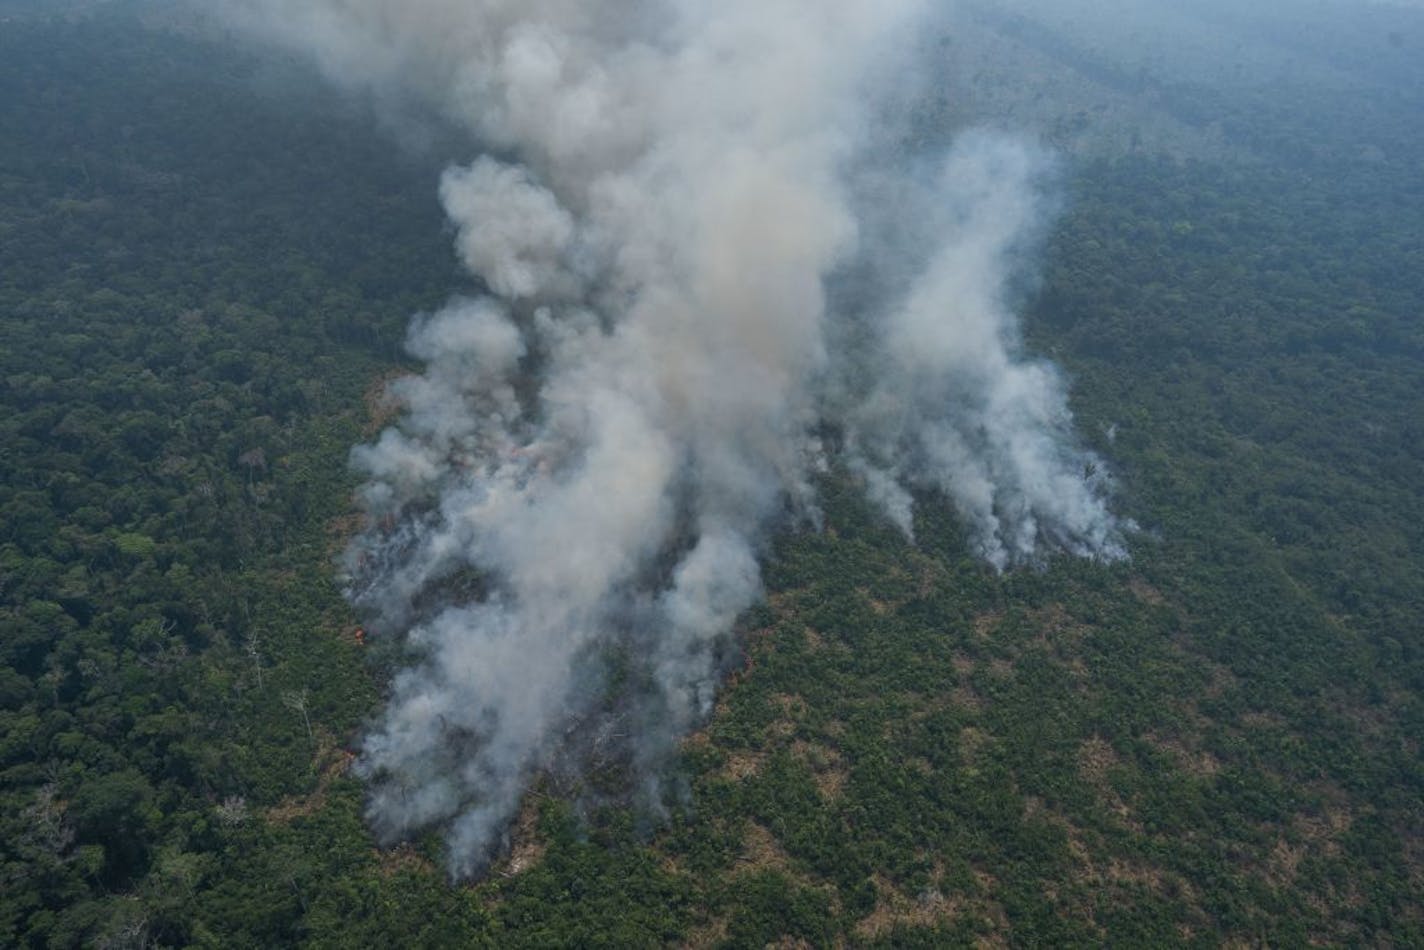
column 577, row 491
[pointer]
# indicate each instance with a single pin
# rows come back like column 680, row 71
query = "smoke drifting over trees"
column 584, row 473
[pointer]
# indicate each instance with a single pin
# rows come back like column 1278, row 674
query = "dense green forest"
column 206, row 267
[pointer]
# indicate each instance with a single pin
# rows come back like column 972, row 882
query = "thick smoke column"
column 584, row 471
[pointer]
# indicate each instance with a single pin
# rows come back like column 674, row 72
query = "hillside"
column 209, row 262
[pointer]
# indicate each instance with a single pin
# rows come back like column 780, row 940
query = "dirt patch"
column 742, row 765
column 990, row 913
column 1220, row 680
column 381, row 406
column 1372, row 721
column 880, row 607
column 1058, row 635
column 1283, row 864
column 711, row 934
column 1197, row 763
column 781, row 601
column 827, row 767
column 966, row 697
column 404, row 859
column 793, row 710
column 1146, row 593
column 1050, row 620
column 1261, row 720
column 1120, row 876
column 893, row 908
column 986, row 623
column 762, row 852
column 971, row 742
column 1137, row 874
column 1325, row 829
column 755, row 643
column 931, row 574
column 332, row 763
column 1311, row 833
column 526, row 847
column 1095, row 759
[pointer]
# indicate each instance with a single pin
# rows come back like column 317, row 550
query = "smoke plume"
column 566, row 520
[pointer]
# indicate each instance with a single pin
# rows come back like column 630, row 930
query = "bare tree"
column 253, row 643
column 254, row 460
column 297, row 700
column 47, row 830
column 233, row 811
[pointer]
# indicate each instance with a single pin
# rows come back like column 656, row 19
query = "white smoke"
column 584, row 472
column 953, row 406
